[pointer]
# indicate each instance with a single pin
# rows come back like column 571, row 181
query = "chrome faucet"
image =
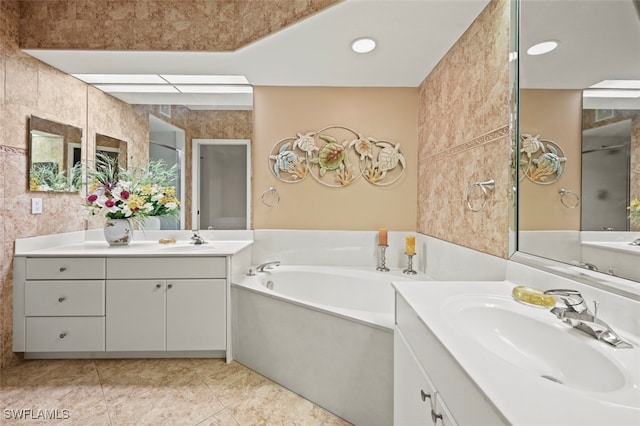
column 577, row 314
column 196, row 238
column 267, row 265
column 635, row 242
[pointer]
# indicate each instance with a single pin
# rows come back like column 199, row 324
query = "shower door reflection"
column 223, row 184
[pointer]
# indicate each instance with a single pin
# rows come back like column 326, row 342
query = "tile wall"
column 463, row 137
column 157, row 24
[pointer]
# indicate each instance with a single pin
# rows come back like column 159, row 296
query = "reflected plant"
column 46, row 177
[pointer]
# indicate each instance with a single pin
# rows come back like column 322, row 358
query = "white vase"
column 150, row 223
column 118, row 232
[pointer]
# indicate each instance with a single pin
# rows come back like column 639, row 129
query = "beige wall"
column 555, row 115
column 463, row 137
column 382, row 113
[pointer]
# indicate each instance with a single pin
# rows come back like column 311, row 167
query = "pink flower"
column 124, row 195
column 109, row 203
column 92, row 198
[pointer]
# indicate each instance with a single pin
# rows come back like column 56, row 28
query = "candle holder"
column 409, row 270
column 382, row 259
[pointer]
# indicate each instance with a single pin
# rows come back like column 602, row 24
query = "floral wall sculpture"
column 336, row 156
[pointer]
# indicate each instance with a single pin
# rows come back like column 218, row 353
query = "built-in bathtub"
column 324, row 332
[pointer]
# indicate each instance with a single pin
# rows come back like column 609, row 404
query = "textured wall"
column 205, row 25
column 463, row 137
column 381, row 113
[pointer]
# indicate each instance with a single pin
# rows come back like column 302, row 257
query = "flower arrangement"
column 132, row 194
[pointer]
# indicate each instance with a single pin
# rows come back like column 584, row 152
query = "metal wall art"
column 336, row 156
column 541, row 160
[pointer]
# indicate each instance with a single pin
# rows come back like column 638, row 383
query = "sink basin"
column 534, row 340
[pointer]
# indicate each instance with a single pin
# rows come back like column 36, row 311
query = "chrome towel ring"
column 569, row 199
column 486, row 186
column 270, row 197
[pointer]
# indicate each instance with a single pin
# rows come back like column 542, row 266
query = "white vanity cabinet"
column 423, row 365
column 415, row 398
column 181, row 308
column 64, row 304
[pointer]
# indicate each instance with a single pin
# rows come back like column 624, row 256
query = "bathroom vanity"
column 86, row 299
column 466, row 353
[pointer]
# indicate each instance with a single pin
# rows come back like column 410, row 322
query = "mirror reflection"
column 107, row 146
column 55, row 156
column 584, row 97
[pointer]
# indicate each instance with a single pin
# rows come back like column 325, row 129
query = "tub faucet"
column 577, row 314
column 267, row 265
column 196, row 238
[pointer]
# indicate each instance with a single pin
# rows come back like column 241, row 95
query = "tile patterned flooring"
column 205, row 392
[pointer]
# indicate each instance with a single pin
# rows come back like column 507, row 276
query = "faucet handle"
column 572, row 298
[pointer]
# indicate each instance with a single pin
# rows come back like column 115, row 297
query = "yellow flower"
column 635, row 204
column 135, row 202
column 146, row 189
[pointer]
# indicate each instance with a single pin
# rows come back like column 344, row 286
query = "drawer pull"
column 63, row 334
column 158, row 285
column 62, row 269
column 61, row 299
column 435, row 417
column 170, row 286
column 424, row 395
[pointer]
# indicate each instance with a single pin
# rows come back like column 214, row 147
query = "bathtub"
column 326, row 333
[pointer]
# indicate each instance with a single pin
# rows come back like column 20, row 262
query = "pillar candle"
column 411, row 245
column 382, row 237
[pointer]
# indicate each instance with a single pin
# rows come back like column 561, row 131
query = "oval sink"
column 524, row 337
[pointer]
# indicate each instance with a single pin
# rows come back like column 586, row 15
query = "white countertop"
column 623, row 247
column 76, row 245
column 522, row 396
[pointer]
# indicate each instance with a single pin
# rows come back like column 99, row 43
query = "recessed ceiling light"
column 543, row 47
column 617, row 84
column 136, row 88
column 363, row 45
column 120, row 78
column 205, row 79
column 611, row 93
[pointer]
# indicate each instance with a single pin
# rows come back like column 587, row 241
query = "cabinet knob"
column 435, row 417
column 158, row 285
column 170, row 285
column 63, row 334
column 424, row 395
column 61, row 299
column 62, row 269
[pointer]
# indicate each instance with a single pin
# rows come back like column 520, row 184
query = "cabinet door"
column 196, row 316
column 413, row 392
column 135, row 315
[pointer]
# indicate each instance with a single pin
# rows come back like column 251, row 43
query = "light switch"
column 36, row 205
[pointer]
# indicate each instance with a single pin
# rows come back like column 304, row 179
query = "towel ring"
column 565, row 195
column 270, row 197
column 485, row 186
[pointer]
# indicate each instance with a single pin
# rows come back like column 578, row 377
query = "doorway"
column 222, row 183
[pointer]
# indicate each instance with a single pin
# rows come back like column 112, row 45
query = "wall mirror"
column 55, row 156
column 112, row 147
column 584, row 96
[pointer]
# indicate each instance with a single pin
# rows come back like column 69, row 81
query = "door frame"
column 195, row 176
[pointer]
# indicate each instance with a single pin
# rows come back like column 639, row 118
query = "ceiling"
column 599, row 40
column 412, row 36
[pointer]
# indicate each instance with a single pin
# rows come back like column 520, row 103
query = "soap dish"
column 533, row 297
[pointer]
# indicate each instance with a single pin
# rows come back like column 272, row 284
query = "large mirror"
column 55, row 156
column 579, row 128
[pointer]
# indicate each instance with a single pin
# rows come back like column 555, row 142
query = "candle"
column 411, row 245
column 382, row 237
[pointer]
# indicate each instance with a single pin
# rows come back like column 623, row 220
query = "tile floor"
column 151, row 392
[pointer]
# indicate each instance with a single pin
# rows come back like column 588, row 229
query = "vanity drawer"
column 64, row 298
column 166, row 267
column 65, row 334
column 65, row 268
